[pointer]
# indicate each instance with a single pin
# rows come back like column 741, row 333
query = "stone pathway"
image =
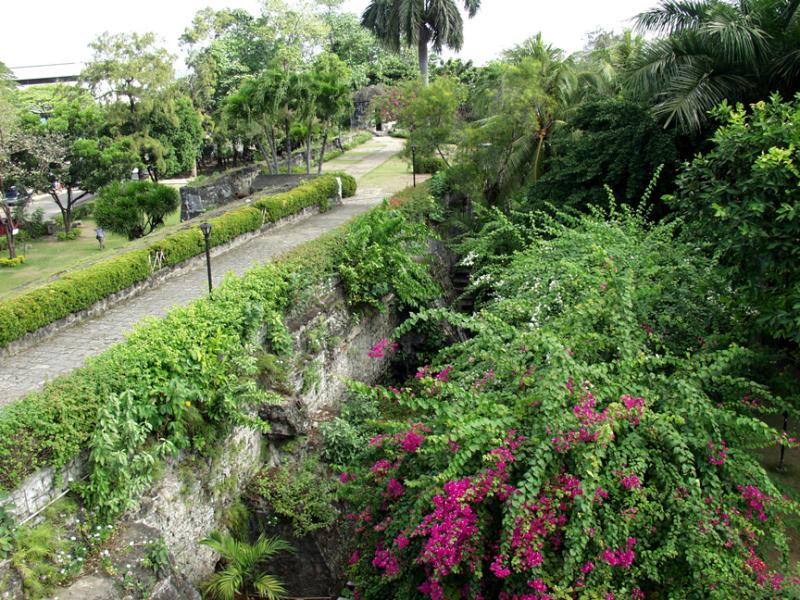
column 67, row 350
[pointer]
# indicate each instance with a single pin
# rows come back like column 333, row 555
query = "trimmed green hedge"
column 80, row 289
column 430, row 164
column 200, row 345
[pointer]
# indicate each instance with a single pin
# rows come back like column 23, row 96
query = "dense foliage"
column 134, row 208
column 591, row 437
column 715, row 50
column 608, row 142
column 741, row 199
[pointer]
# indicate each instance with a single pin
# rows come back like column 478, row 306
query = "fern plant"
column 242, row 572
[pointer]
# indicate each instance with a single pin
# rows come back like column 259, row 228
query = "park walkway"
column 67, row 350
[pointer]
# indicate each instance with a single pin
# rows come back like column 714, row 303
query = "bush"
column 430, row 164
column 608, row 142
column 34, row 225
column 134, row 208
column 581, row 438
column 740, row 200
column 378, row 256
column 73, row 234
column 10, row 263
column 80, row 289
column 315, row 192
column 440, row 185
column 84, row 210
column 303, row 495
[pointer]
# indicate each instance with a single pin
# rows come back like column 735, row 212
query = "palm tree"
column 423, row 23
column 242, row 572
column 534, row 91
column 714, row 50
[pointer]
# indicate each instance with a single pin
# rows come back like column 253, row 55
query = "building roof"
column 52, row 73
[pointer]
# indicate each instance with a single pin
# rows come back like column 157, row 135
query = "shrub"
column 72, row 234
column 377, row 256
column 430, row 164
column 440, row 184
column 740, row 200
column 10, row 263
column 582, row 438
column 609, row 142
column 134, row 208
column 34, row 225
column 83, row 210
column 303, row 495
column 315, row 192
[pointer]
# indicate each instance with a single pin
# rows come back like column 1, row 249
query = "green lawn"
column 47, row 258
column 395, row 173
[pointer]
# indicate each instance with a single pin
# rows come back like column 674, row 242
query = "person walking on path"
column 101, row 237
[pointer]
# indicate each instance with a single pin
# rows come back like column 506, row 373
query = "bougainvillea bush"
column 589, row 439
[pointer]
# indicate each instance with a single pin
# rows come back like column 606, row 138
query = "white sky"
column 35, row 32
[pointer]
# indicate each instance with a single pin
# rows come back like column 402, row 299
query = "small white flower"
column 72, row 538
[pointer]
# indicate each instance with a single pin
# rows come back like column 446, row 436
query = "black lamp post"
column 206, row 229
column 414, row 163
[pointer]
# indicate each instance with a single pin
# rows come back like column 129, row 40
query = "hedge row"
column 430, row 164
column 192, row 343
column 80, row 289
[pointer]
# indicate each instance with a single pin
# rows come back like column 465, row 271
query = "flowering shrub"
column 564, row 450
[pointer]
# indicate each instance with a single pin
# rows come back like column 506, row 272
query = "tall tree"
column 128, row 67
column 421, row 23
column 519, row 106
column 256, row 107
column 332, row 82
column 717, row 50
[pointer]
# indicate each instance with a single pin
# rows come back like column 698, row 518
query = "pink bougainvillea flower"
column 411, row 441
column 630, row 482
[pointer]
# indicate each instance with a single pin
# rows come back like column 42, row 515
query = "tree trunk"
column 322, row 152
column 288, row 147
column 446, row 162
column 424, row 38
column 265, row 155
column 273, row 147
column 12, row 250
column 308, row 149
column 538, row 156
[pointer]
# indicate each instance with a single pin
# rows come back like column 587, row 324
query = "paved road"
column 28, row 370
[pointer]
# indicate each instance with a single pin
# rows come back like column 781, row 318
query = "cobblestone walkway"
column 67, row 350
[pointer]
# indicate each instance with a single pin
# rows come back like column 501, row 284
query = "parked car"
column 15, row 196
